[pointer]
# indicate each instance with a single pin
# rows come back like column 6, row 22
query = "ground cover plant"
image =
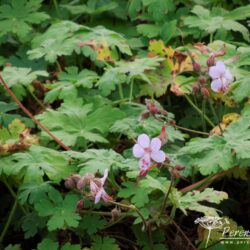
column 124, row 124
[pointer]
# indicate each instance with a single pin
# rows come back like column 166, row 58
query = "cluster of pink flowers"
column 149, row 152
column 96, row 185
column 221, row 77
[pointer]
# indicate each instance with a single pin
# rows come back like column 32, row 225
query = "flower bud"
column 195, row 88
column 196, row 67
column 69, row 183
column 179, row 167
column 79, row 205
column 205, row 92
column 152, row 108
column 163, row 135
column 115, row 214
column 202, row 80
column 81, row 183
column 211, row 61
column 144, row 115
column 75, row 177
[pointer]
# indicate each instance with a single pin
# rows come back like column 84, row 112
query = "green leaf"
column 47, row 244
column 69, row 83
column 208, row 22
column 12, row 132
column 240, row 13
column 92, row 223
column 33, row 192
column 31, row 224
column 58, row 40
column 94, row 160
column 13, row 247
column 236, row 26
column 19, row 78
column 17, row 17
column 124, row 72
column 68, row 246
column 148, row 30
column 133, row 8
column 104, row 243
column 133, row 126
column 168, row 30
column 37, row 162
column 159, row 8
column 90, row 10
column 61, row 212
column 138, row 194
column 64, row 37
column 74, row 122
column 159, row 183
column 217, row 153
column 191, row 201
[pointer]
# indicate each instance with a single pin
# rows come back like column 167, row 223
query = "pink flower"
column 221, row 76
column 96, row 188
column 148, row 150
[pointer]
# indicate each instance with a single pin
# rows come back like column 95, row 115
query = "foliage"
column 111, row 136
column 75, row 121
column 18, row 15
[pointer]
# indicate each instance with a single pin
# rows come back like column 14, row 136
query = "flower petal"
column 93, row 188
column 143, row 140
column 103, row 179
column 155, row 144
column 145, row 162
column 221, row 67
column 138, row 151
column 143, row 172
column 216, row 85
column 213, row 72
column 98, row 196
column 158, row 156
column 217, row 71
column 105, row 196
column 228, row 76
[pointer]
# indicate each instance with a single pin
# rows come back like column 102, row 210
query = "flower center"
column 147, row 150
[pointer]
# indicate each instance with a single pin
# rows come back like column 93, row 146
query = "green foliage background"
column 85, row 69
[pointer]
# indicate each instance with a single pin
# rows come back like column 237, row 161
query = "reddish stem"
column 202, row 184
column 26, row 111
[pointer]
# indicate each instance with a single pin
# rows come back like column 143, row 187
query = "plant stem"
column 122, row 238
column 56, row 7
column 167, row 194
column 204, row 182
column 27, row 112
column 211, row 37
column 131, row 90
column 7, row 224
column 120, row 92
column 35, row 98
column 203, row 114
column 191, row 130
column 115, row 222
column 98, row 212
column 13, row 194
column 59, row 68
column 209, row 232
column 132, row 207
column 182, row 233
column 172, row 213
column 199, row 111
column 215, row 115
